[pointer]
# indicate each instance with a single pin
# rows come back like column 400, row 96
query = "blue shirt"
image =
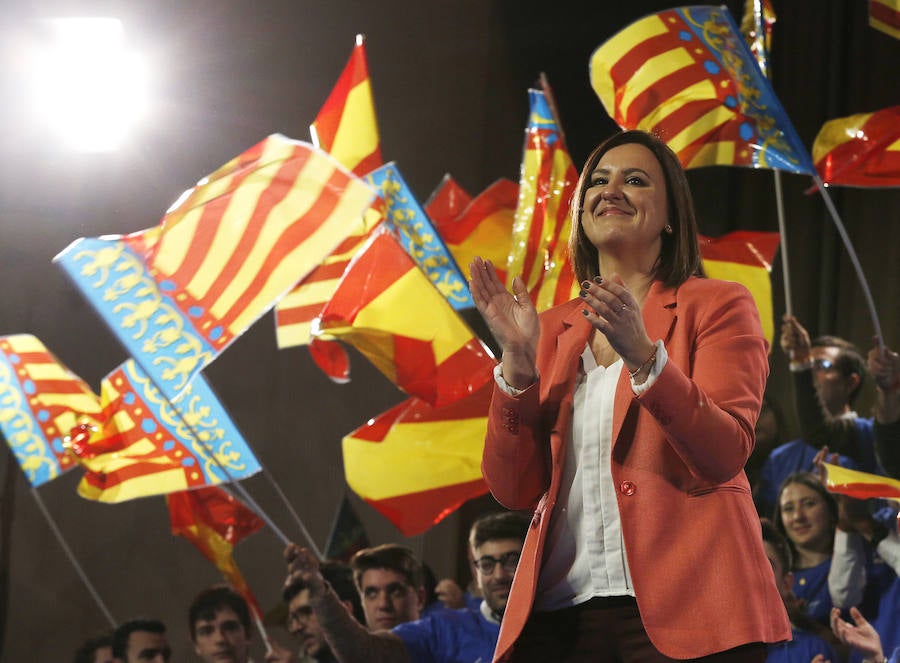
column 450, row 636
column 801, row 649
column 811, row 585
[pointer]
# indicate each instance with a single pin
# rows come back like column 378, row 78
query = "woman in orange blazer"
column 624, row 418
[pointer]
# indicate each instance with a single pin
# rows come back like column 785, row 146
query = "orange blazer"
column 691, row 532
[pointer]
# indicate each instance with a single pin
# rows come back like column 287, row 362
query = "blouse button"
column 627, row 488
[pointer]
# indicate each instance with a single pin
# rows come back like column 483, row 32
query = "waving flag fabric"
column 348, row 535
column 687, row 76
column 860, row 485
column 542, row 223
column 482, row 228
column 884, row 15
column 447, row 201
column 745, row 257
column 177, row 295
column 40, row 402
column 214, row 522
column 406, row 218
column 148, row 446
column 860, row 150
column 388, row 309
column 416, row 464
column 346, row 126
column 756, row 26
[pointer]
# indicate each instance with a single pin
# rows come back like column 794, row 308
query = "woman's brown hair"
column 679, row 257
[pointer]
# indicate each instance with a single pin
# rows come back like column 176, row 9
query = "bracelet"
column 650, row 360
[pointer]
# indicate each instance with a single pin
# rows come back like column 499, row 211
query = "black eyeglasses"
column 822, row 364
column 509, row 561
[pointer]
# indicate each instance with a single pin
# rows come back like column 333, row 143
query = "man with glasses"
column 302, row 622
column 448, row 636
column 828, row 373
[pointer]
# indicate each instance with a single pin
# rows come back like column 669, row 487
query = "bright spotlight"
column 87, row 86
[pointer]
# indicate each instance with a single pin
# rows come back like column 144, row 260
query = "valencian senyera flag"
column 861, row 150
column 547, row 179
column 405, row 216
column 745, row 257
column 884, row 15
column 346, row 126
column 215, row 522
column 178, row 294
column 392, row 313
column 40, row 402
column 475, row 227
column 687, row 76
column 148, row 446
column 860, row 485
column 756, row 26
column 416, row 464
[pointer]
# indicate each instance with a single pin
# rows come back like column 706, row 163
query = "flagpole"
column 853, row 259
column 290, row 508
column 71, row 556
column 785, row 269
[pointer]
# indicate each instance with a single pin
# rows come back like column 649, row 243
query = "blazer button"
column 627, row 488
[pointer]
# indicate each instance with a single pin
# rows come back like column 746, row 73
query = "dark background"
column 449, row 81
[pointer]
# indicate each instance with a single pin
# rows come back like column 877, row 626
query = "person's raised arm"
column 885, row 369
column 350, row 642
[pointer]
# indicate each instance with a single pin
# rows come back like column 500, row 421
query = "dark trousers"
column 605, row 630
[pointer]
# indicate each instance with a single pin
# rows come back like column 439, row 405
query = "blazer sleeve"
column 708, row 405
column 515, row 462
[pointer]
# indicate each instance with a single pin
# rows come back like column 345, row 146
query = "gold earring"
column 668, row 229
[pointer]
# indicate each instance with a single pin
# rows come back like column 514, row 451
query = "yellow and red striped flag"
column 483, row 227
column 149, row 446
column 389, row 310
column 745, row 257
column 860, row 485
column 539, row 252
column 346, row 126
column 215, row 522
column 177, row 295
column 687, row 75
column 884, row 15
column 860, row 150
column 40, row 402
column 416, row 464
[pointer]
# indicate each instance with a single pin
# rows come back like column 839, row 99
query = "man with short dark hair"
column 141, row 641
column 447, row 636
column 302, row 622
column 219, row 624
column 95, row 650
column 391, row 585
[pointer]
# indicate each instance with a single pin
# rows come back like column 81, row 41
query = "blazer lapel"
column 659, row 313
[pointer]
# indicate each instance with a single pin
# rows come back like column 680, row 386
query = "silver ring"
column 624, row 307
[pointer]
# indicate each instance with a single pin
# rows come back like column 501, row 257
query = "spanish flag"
column 416, row 463
column 745, row 257
column 41, row 401
column 177, row 295
column 483, row 227
column 860, row 150
column 389, row 311
column 687, row 76
column 884, row 15
column 346, row 126
column 547, row 179
column 215, row 522
column 148, row 446
column 860, row 485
